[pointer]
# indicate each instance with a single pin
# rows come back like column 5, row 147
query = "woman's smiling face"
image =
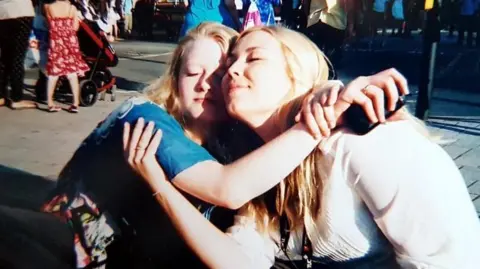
column 256, row 81
column 199, row 81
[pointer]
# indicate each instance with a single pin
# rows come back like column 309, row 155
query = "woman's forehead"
column 203, row 52
column 256, row 39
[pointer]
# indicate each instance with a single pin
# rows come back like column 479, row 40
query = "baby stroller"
column 99, row 55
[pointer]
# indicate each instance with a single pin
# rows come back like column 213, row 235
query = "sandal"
column 53, row 109
column 73, row 109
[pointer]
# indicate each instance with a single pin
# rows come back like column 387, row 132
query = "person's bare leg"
column 51, row 85
column 75, row 86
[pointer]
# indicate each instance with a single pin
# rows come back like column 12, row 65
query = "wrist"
column 160, row 187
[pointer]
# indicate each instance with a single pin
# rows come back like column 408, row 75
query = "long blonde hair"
column 165, row 91
column 299, row 195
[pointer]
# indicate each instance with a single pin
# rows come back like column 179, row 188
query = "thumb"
column 340, row 107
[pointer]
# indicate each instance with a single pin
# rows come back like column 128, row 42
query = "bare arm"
column 76, row 22
column 235, row 184
column 215, row 248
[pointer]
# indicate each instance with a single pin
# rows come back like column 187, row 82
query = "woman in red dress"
column 64, row 57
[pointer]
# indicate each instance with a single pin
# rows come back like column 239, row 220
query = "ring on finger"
column 365, row 89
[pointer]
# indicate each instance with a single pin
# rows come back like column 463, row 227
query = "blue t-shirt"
column 176, row 151
column 99, row 166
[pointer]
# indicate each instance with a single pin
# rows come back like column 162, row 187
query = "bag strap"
column 307, row 251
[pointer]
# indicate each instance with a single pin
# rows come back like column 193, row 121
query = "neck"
column 199, row 131
column 267, row 127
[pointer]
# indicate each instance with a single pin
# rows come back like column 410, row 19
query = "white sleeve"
column 260, row 249
column 416, row 194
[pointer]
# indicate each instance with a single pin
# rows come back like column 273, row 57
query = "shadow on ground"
column 129, row 85
column 22, row 189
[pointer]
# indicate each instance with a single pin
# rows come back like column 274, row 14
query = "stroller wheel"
column 88, row 93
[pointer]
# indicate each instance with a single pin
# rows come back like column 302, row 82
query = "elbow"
column 232, row 197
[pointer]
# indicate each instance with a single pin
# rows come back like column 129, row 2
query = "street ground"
column 40, row 143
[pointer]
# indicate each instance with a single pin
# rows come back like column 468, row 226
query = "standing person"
column 127, row 10
column 467, row 21
column 398, row 17
column 16, row 17
column 64, row 58
column 265, row 8
column 221, row 11
column 328, row 24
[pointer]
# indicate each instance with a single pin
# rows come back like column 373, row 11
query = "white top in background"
column 416, row 197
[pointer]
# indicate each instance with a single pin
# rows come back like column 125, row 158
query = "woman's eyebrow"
column 250, row 49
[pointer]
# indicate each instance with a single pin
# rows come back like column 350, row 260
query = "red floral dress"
column 64, row 56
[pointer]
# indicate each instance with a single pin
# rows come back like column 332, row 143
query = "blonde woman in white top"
column 389, row 199
column 16, row 17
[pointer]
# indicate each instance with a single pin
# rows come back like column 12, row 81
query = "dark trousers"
column 14, row 38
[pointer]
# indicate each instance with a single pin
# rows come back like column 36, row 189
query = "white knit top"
column 390, row 190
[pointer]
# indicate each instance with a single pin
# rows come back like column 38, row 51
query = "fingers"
column 308, row 117
column 126, row 136
column 321, row 123
column 154, row 144
column 328, row 110
column 391, row 92
column 137, row 132
column 367, row 105
column 333, row 95
column 399, row 80
column 144, row 142
column 378, row 101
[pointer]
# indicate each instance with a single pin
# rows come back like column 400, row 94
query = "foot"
column 54, row 108
column 24, row 104
column 73, row 109
column 2, row 101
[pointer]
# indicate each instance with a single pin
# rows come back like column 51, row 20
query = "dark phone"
column 356, row 119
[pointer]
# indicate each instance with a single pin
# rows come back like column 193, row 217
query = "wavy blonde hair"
column 165, row 90
column 299, row 195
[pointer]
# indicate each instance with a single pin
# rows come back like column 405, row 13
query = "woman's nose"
column 234, row 70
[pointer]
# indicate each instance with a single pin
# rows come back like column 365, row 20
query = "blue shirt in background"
column 206, row 11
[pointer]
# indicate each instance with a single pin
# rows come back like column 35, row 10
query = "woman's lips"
column 204, row 99
column 235, row 87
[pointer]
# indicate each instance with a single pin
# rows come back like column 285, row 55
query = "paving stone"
column 471, row 158
column 470, row 174
column 474, row 188
column 455, row 151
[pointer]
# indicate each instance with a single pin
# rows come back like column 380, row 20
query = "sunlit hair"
column 165, row 91
column 299, row 196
